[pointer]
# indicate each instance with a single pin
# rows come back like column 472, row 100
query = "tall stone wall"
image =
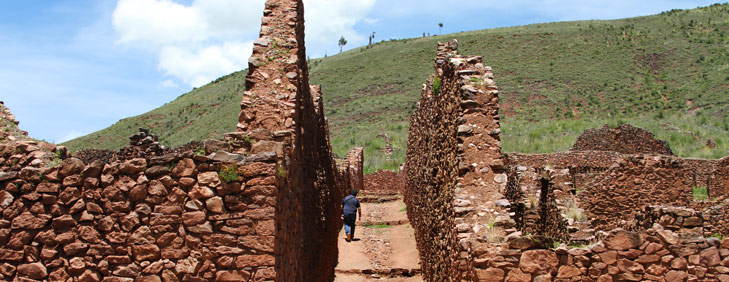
column 280, row 102
column 453, row 163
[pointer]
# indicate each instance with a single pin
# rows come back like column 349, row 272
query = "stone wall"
column 355, row 159
column 653, row 255
column 625, row 139
column 262, row 204
column 453, row 163
column 611, row 186
column 279, row 102
column 175, row 219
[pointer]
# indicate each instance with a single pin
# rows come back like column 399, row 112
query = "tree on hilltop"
column 440, row 28
column 342, row 42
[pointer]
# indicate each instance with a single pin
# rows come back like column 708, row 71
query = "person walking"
column 350, row 209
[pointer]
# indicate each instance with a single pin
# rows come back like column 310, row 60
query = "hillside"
column 667, row 73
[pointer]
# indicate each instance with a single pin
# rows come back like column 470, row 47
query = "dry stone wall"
column 625, row 139
column 262, row 204
column 279, row 102
column 143, row 219
column 454, row 162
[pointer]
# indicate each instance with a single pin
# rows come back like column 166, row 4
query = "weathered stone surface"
column 27, row 220
column 490, row 274
column 33, row 270
column 622, row 240
column 145, row 252
column 538, row 262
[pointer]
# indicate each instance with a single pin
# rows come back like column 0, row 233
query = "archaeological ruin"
column 264, row 203
column 618, row 207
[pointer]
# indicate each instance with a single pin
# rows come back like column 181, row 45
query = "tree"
column 342, row 42
column 440, row 28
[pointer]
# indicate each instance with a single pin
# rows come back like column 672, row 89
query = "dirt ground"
column 383, row 249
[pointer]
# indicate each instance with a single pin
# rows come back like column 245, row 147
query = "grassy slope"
column 667, row 73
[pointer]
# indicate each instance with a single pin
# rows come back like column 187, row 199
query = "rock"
column 262, row 157
column 193, row 218
column 145, row 252
column 490, row 275
column 187, row 265
column 215, row 205
column 710, row 256
column 204, row 228
column 157, row 171
column 668, row 236
column 675, row 276
column 156, row 188
column 568, row 271
column 5, row 199
column 71, row 166
column 267, row 146
column 27, row 220
column 516, row 275
column 209, row 178
column 520, row 242
column 184, row 168
column 133, row 166
column 504, row 203
column 627, row 265
column 226, row 157
column 538, row 262
column 7, row 175
column 622, row 240
column 88, row 276
column 201, row 192
column 35, row 271
column 232, row 276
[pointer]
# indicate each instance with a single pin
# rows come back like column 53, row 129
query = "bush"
column 228, row 173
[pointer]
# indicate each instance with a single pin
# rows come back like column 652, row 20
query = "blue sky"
column 72, row 67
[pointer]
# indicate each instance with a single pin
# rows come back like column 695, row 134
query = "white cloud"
column 169, row 84
column 202, row 65
column 206, row 39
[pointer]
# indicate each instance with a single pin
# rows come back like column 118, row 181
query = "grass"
column 667, row 73
column 405, row 208
column 700, row 193
column 377, row 226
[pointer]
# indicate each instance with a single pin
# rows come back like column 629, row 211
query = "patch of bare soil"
column 384, row 247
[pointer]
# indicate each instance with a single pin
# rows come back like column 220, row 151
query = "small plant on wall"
column 229, row 173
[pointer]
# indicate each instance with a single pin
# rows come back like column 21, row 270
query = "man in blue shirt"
column 350, row 208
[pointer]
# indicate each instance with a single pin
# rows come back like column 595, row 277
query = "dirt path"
column 383, row 249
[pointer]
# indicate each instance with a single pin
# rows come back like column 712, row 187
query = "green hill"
column 667, row 73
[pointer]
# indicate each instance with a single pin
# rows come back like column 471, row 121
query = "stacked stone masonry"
column 625, row 139
column 454, row 154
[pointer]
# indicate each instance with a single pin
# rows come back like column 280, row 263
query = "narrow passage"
column 384, row 246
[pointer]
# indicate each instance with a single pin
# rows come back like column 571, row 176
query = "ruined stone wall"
column 453, row 163
column 261, row 205
column 651, row 255
column 355, row 159
column 625, row 139
column 632, row 184
column 385, row 182
column 174, row 218
column 280, row 101
column 720, row 179
column 612, row 186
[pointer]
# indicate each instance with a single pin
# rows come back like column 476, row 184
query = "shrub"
column 229, row 173
column 436, row 86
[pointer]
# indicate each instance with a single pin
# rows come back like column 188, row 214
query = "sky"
column 73, row 67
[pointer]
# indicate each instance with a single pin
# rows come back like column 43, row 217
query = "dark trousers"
column 349, row 220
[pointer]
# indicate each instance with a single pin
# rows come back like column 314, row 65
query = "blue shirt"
column 350, row 204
